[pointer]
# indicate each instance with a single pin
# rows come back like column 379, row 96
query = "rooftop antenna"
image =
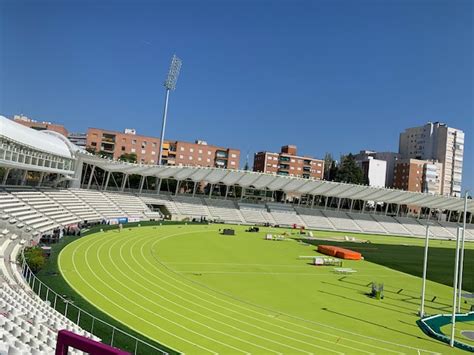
column 170, row 84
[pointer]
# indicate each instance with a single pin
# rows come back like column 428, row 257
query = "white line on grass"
column 222, row 314
column 150, row 311
column 127, row 311
column 239, row 306
column 170, row 301
column 290, row 316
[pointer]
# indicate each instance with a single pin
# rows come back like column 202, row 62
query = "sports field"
column 198, row 292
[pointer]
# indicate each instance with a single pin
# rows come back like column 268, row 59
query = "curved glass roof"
column 37, row 140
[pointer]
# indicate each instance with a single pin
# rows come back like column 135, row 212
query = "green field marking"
column 193, row 290
column 460, row 326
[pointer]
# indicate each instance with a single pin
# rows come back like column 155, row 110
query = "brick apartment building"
column 40, row 126
column 418, row 175
column 287, row 162
column 146, row 148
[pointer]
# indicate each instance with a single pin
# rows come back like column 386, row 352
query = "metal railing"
column 108, row 333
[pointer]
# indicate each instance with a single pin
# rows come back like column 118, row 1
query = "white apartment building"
column 437, row 141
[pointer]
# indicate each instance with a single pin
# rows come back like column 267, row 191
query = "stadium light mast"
column 170, row 85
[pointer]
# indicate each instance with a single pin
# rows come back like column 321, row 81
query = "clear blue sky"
column 330, row 76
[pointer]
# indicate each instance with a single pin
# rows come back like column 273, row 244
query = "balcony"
column 221, row 154
column 284, row 158
column 284, row 166
column 108, row 138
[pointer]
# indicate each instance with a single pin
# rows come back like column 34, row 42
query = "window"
column 153, row 152
column 123, row 149
column 143, row 151
column 94, row 144
column 200, row 151
column 190, row 158
column 181, row 157
column 153, row 145
column 134, row 141
column 199, row 158
column 292, row 160
column 181, row 149
column 132, row 150
column 191, row 150
column 208, row 160
column 232, row 163
column 152, row 161
column 208, row 153
column 233, row 155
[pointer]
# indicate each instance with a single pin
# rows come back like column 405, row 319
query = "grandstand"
column 50, row 184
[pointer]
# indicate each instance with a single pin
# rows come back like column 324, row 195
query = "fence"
column 108, row 333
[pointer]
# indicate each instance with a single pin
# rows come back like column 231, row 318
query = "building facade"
column 287, row 162
column 377, row 167
column 437, row 141
column 418, row 175
column 179, row 153
column 40, row 126
column 79, row 139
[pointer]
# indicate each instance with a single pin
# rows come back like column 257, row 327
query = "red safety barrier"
column 67, row 339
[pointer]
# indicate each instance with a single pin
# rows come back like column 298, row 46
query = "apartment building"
column 79, row 139
column 179, row 153
column 437, row 141
column 40, row 125
column 287, row 162
column 418, row 175
column 376, row 167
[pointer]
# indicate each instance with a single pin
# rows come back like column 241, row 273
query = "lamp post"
column 170, row 84
column 461, row 257
column 455, row 285
column 425, row 265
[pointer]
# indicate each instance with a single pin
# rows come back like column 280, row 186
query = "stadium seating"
column 412, row 225
column 313, row 218
column 341, row 220
column 224, row 210
column 366, row 223
column 255, row 213
column 161, row 200
column 99, row 202
column 391, row 225
column 191, row 206
column 284, row 215
column 28, row 325
column 131, row 205
column 74, row 204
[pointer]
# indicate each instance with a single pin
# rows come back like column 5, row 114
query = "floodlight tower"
column 170, row 84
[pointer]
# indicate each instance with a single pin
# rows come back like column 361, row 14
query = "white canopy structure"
column 33, row 139
column 287, row 184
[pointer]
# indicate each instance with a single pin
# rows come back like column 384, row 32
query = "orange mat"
column 339, row 252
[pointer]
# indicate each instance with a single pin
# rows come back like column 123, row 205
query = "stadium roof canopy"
column 288, row 184
column 37, row 140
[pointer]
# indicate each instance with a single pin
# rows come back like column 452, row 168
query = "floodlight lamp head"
column 173, row 73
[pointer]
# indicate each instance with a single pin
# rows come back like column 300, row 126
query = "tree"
column 349, row 171
column 34, row 258
column 128, row 157
column 328, row 164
